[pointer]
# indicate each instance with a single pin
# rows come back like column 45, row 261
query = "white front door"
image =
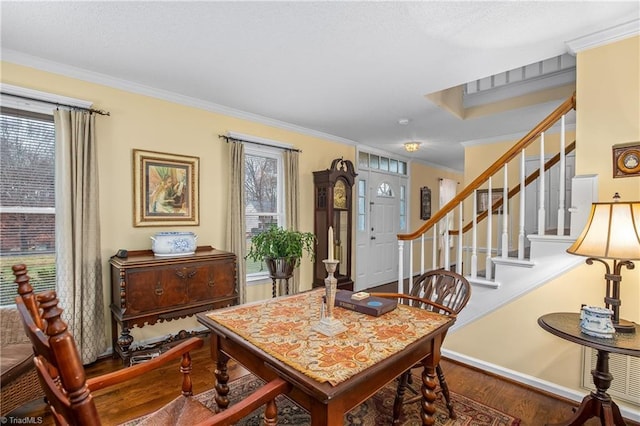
column 376, row 241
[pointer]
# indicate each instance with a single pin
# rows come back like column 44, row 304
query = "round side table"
column 598, row 403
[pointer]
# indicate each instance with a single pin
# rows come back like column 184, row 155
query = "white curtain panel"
column 447, row 189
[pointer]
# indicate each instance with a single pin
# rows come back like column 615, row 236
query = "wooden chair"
column 68, row 391
column 19, row 381
column 439, row 291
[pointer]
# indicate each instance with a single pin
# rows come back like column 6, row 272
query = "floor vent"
column 625, row 371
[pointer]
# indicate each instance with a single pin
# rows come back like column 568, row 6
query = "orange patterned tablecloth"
column 282, row 328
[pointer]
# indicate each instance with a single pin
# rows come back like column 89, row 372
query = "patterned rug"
column 376, row 411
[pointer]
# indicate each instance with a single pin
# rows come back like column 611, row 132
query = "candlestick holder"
column 328, row 325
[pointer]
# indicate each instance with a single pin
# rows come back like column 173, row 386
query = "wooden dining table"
column 330, row 375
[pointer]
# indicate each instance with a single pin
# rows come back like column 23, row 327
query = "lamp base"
column 624, row 326
column 329, row 327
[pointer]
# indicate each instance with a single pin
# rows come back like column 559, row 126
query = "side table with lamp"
column 612, row 232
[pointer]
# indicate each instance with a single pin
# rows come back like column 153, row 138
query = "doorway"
column 377, row 231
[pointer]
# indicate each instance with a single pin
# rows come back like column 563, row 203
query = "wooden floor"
column 142, row 396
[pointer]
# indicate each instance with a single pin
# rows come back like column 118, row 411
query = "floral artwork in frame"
column 165, row 189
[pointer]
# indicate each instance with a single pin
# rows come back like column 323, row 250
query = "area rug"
column 376, row 411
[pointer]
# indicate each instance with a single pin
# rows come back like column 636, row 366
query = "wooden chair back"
column 71, row 402
column 25, row 291
column 443, row 287
column 31, row 315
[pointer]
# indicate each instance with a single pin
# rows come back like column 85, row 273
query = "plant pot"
column 281, row 267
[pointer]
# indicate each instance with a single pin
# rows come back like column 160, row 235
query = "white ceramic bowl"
column 173, row 243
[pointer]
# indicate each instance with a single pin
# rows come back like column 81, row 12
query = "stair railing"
column 442, row 241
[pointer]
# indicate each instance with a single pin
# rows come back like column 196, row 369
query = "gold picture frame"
column 482, row 200
column 166, row 189
column 626, row 160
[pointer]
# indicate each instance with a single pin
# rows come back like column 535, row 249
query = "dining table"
column 330, row 375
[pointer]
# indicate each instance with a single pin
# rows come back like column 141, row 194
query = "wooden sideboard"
column 146, row 289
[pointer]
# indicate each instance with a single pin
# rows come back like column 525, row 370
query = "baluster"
column 474, row 236
column 541, row 189
column 488, row 262
column 522, row 207
column 422, row 253
column 561, row 190
column 505, row 214
column 445, row 243
column 410, row 267
column 434, row 252
column 460, row 239
column 400, row 268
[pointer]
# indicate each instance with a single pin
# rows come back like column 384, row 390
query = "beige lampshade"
column 612, row 232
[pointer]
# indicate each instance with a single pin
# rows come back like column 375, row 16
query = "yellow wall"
column 147, row 123
column 608, row 113
column 424, row 175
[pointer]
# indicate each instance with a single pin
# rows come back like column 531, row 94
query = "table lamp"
column 612, row 232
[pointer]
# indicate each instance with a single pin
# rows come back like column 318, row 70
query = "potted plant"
column 281, row 249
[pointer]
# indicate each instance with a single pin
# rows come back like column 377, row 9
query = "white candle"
column 330, row 242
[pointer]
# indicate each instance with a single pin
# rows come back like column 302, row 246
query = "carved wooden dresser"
column 146, row 289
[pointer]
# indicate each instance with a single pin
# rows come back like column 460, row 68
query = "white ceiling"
column 344, row 70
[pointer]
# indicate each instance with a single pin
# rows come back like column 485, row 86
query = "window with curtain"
column 27, row 199
column 264, row 198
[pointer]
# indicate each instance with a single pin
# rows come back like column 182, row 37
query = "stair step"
column 512, row 261
column 482, row 281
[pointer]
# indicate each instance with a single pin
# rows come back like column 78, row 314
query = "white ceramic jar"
column 596, row 321
column 173, row 243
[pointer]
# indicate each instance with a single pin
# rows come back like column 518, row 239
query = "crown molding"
column 601, row 38
column 26, row 60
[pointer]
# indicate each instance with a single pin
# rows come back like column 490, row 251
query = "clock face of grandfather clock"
column 333, row 208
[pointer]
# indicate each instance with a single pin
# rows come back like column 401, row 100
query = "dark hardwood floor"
column 144, row 395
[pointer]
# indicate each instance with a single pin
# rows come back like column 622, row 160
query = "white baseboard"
column 528, row 380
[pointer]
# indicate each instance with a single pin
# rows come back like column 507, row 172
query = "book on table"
column 371, row 305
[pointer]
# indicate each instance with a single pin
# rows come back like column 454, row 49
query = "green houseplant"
column 281, row 249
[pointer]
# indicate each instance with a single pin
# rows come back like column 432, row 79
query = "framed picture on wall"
column 425, row 203
column 626, row 160
column 482, row 200
column 165, row 189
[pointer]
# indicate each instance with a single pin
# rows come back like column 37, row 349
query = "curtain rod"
column 229, row 138
column 97, row 111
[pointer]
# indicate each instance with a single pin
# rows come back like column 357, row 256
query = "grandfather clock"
column 333, row 208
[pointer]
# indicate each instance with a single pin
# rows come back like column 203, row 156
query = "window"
column 403, row 208
column 264, row 205
column 27, row 199
column 384, row 190
column 385, row 164
column 362, row 206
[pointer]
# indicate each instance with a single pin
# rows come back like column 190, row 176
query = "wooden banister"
column 514, row 151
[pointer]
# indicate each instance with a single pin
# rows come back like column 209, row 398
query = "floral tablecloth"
column 282, row 327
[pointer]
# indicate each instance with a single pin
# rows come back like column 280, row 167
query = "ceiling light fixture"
column 411, row 146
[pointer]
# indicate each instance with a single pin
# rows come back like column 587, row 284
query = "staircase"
column 493, row 251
